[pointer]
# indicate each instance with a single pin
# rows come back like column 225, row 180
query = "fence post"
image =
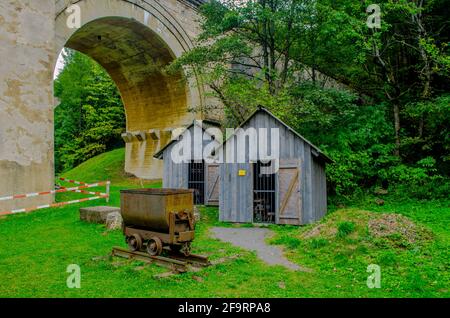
column 108, row 186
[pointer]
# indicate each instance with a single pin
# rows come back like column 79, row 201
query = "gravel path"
column 253, row 239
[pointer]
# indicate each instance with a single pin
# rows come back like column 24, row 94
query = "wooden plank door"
column 289, row 189
column 212, row 184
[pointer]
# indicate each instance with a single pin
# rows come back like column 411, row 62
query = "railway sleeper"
column 176, row 263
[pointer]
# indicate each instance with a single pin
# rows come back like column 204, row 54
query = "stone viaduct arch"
column 132, row 39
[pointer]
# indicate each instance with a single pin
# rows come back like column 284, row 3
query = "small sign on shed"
column 242, row 173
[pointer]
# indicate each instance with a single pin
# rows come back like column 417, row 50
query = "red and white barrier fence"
column 73, row 181
column 79, row 189
column 107, row 183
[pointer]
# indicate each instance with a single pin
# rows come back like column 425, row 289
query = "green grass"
column 345, row 228
column 107, row 166
column 344, row 248
column 36, row 249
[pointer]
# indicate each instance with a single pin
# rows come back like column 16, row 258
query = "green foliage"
column 289, row 241
column 421, row 180
column 431, row 119
column 318, row 243
column 357, row 137
column 388, row 258
column 345, row 229
column 375, row 100
column 90, row 117
column 255, row 39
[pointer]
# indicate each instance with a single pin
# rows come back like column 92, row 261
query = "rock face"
column 114, row 221
column 98, row 214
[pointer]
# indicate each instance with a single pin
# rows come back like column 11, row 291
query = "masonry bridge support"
column 132, row 39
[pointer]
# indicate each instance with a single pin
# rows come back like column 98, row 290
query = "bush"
column 421, row 181
column 345, row 229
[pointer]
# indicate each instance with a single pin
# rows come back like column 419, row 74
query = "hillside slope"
column 107, row 166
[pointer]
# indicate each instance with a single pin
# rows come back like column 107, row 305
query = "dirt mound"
column 391, row 225
column 380, row 229
column 329, row 227
column 320, row 230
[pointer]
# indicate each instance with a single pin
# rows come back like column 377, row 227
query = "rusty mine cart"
column 156, row 218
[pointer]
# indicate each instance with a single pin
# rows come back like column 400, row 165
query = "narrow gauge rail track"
column 175, row 262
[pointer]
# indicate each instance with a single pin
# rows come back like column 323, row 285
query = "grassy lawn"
column 36, row 249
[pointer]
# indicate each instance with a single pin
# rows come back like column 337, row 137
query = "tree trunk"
column 397, row 128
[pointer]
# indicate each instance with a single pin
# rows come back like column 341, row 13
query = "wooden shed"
column 295, row 194
column 193, row 171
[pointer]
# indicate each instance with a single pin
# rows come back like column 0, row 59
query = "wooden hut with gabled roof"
column 295, row 193
column 193, row 172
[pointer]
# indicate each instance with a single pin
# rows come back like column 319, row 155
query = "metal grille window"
column 197, row 181
column 264, row 195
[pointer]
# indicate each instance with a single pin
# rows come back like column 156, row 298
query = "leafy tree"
column 246, row 50
column 375, row 99
column 403, row 62
column 90, row 117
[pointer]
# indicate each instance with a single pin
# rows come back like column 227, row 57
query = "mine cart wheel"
column 154, row 246
column 186, row 249
column 134, row 242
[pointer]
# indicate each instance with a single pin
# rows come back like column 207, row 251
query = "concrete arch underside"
column 132, row 39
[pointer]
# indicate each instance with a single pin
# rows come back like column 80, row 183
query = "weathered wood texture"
column 176, row 175
column 301, row 183
column 212, row 184
column 290, row 200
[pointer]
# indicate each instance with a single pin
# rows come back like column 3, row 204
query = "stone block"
column 114, row 221
column 98, row 214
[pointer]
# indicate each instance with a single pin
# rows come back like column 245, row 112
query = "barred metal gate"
column 196, row 181
column 264, row 195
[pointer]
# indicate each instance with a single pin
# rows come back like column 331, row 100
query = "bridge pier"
column 133, row 40
column 27, row 57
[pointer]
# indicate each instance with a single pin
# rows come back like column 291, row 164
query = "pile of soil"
column 387, row 225
column 321, row 230
column 390, row 226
